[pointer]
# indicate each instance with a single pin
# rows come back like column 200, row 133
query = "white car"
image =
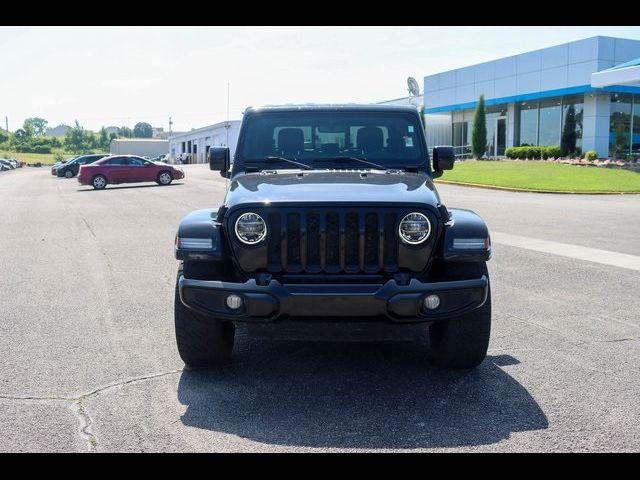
column 6, row 164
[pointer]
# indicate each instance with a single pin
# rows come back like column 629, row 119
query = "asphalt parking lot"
column 89, row 361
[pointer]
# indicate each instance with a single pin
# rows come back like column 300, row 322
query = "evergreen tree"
column 479, row 134
column 568, row 143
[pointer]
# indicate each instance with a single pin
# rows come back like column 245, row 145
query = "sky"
column 104, row 76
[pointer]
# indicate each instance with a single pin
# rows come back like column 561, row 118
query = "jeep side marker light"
column 431, row 302
column 234, row 302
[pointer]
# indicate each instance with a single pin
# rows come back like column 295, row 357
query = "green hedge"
column 533, row 152
column 33, row 149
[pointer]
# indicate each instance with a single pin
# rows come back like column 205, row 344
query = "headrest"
column 369, row 139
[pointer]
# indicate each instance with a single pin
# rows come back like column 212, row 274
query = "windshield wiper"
column 355, row 159
column 283, row 159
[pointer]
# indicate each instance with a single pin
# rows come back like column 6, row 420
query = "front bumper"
column 275, row 301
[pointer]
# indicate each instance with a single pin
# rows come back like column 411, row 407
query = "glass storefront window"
column 549, row 128
column 635, row 137
column 457, row 134
column 461, row 138
column 572, row 114
column 527, row 128
column 551, row 121
column 620, row 125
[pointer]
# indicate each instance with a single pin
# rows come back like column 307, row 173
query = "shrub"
column 591, row 155
column 59, row 157
column 553, row 151
column 533, row 152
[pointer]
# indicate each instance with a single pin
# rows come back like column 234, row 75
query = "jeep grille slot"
column 333, row 241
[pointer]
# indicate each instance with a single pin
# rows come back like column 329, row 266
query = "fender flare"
column 466, row 237
column 199, row 236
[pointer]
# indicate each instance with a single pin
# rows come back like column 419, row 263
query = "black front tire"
column 203, row 341
column 462, row 342
column 68, row 174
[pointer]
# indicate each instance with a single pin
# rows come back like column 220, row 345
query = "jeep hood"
column 336, row 186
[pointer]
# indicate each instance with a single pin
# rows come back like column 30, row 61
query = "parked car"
column 7, row 164
column 71, row 168
column 161, row 158
column 345, row 227
column 14, row 162
column 54, row 167
column 127, row 169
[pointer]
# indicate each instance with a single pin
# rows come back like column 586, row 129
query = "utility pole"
column 170, row 123
column 6, row 122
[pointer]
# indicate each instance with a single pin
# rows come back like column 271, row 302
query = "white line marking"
column 606, row 257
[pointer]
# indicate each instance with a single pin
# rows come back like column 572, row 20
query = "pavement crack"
column 33, row 398
column 614, row 340
column 78, row 407
column 85, row 425
column 89, row 227
column 122, row 383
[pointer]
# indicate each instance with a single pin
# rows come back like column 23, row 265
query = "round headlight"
column 414, row 228
column 251, row 228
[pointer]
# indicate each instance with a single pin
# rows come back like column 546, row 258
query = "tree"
column 77, row 139
column 479, row 134
column 103, row 139
column 21, row 134
column 27, row 130
column 36, row 125
column 142, row 130
column 4, row 136
column 568, row 141
column 125, row 132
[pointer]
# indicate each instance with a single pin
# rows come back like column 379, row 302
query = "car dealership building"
column 194, row 145
column 581, row 95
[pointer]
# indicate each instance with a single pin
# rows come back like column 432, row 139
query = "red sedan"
column 127, row 169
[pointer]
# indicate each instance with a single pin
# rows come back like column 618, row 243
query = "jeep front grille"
column 332, row 241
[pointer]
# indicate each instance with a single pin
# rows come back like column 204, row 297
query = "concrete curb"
column 530, row 190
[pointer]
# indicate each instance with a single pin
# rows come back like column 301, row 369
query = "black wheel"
column 68, row 174
column 164, row 177
column 462, row 342
column 99, row 182
column 203, row 341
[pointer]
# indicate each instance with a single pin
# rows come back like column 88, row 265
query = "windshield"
column 328, row 138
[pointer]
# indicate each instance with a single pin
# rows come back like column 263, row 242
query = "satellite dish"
column 414, row 88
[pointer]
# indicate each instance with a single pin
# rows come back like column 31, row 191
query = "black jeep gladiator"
column 331, row 215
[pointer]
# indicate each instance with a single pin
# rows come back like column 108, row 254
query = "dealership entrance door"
column 496, row 136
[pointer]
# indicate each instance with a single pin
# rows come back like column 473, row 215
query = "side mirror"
column 443, row 159
column 219, row 160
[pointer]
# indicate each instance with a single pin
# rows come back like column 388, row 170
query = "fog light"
column 234, row 302
column 432, row 302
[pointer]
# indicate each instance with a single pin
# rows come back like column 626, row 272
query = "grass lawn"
column 44, row 158
column 540, row 175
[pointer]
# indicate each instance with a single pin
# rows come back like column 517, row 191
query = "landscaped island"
column 544, row 176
